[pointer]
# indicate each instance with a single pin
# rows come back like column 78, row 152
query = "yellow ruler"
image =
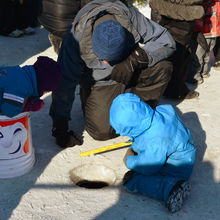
column 106, row 148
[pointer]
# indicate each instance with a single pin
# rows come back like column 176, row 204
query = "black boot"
column 178, row 194
column 64, row 138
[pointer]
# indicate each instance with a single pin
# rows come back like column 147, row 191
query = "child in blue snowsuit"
column 22, row 87
column 164, row 150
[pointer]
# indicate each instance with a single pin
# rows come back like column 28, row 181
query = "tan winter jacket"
column 183, row 10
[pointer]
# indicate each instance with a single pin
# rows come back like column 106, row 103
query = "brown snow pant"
column 149, row 85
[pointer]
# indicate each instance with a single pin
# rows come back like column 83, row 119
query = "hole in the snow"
column 91, row 184
column 92, row 176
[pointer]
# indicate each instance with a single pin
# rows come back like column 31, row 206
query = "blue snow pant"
column 159, row 185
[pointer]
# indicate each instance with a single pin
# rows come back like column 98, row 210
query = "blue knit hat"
column 110, row 41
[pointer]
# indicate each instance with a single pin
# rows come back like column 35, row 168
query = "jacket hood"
column 130, row 116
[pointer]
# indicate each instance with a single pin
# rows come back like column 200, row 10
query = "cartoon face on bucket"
column 14, row 138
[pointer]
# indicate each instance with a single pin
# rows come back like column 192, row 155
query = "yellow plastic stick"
column 106, row 148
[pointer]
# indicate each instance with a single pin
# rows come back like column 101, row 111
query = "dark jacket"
column 179, row 19
column 57, row 15
column 156, row 41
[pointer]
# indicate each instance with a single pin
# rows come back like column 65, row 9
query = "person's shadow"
column 203, row 188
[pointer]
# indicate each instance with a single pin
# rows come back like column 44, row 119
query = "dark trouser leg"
column 216, row 50
column 211, row 43
column 180, row 60
column 158, row 186
column 63, row 97
column 22, row 18
column 96, row 104
column 7, row 16
column 194, row 66
column 155, row 186
column 152, row 82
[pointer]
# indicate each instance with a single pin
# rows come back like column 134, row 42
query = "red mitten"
column 33, row 105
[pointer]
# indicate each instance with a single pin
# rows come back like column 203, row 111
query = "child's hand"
column 33, row 105
column 129, row 152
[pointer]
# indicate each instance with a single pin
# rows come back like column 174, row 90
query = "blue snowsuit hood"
column 131, row 117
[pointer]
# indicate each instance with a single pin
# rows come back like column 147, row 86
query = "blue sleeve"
column 149, row 160
column 11, row 104
column 157, row 41
column 10, row 110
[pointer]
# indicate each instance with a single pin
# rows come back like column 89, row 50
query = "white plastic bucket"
column 16, row 151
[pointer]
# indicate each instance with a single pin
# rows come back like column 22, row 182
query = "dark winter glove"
column 123, row 71
column 139, row 58
column 65, row 138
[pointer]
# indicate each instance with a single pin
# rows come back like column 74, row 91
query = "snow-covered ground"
column 47, row 192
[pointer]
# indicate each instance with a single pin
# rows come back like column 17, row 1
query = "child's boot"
column 177, row 196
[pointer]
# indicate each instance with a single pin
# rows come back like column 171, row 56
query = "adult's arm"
column 71, row 64
column 149, row 159
column 156, row 40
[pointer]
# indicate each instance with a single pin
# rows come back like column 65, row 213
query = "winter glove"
column 130, row 151
column 33, row 105
column 123, row 71
column 64, row 138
